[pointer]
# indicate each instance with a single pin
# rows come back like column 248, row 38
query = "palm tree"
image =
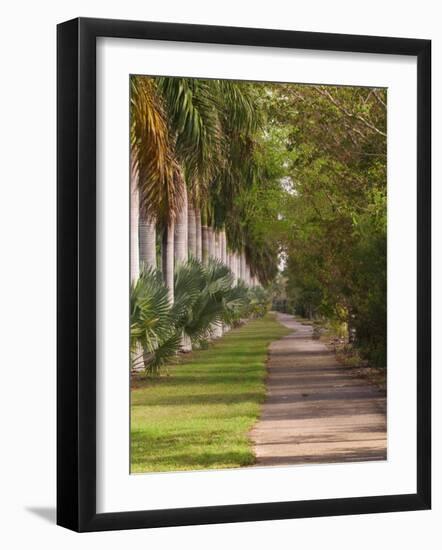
column 168, row 258
column 193, row 123
column 153, row 336
column 223, row 246
column 181, row 240
column 147, row 242
column 159, row 187
column 134, row 214
column 198, row 227
column 206, row 298
column 192, row 156
column 211, row 242
column 191, row 137
column 203, row 116
column 181, row 252
column 192, row 232
column 205, row 244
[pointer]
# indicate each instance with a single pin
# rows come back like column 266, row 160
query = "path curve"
column 316, row 411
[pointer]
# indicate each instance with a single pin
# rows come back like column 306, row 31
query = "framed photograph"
column 243, row 274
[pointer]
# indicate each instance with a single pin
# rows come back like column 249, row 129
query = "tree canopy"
column 296, row 176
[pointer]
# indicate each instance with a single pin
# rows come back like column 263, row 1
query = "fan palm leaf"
column 152, row 326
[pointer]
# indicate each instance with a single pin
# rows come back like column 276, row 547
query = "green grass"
column 199, row 416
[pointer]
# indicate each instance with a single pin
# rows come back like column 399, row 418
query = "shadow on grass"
column 196, row 461
column 202, row 399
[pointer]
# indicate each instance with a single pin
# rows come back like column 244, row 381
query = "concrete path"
column 315, row 410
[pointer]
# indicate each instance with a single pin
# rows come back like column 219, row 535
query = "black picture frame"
column 76, row 274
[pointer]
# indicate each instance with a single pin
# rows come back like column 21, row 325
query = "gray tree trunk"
column 180, row 245
column 233, row 267
column 214, row 243
column 211, row 241
column 223, row 247
column 148, row 248
column 148, row 254
column 198, row 234
column 191, row 229
column 134, row 221
column 242, row 264
column 204, row 244
column 217, row 328
column 181, row 252
column 168, row 258
column 247, row 274
column 217, row 245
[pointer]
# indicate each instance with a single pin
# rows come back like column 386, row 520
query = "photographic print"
column 222, row 281
column 258, row 299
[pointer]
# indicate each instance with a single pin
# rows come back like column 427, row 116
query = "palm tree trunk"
column 134, row 221
column 198, row 234
column 211, row 241
column 168, row 258
column 223, row 257
column 221, row 247
column 214, row 243
column 204, row 244
column 218, row 328
column 234, row 268
column 180, row 245
column 217, row 245
column 191, row 229
column 181, row 251
column 147, row 236
column 243, row 268
column 247, row 274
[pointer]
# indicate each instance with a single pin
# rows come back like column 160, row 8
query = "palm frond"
column 152, row 325
column 161, row 191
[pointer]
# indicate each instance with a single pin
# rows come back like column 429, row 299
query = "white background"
column 117, row 490
column 27, row 289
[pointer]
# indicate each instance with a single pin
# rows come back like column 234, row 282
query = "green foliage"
column 336, row 212
column 258, row 302
column 203, row 288
column 211, row 299
column 205, row 296
column 295, row 174
column 153, row 336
